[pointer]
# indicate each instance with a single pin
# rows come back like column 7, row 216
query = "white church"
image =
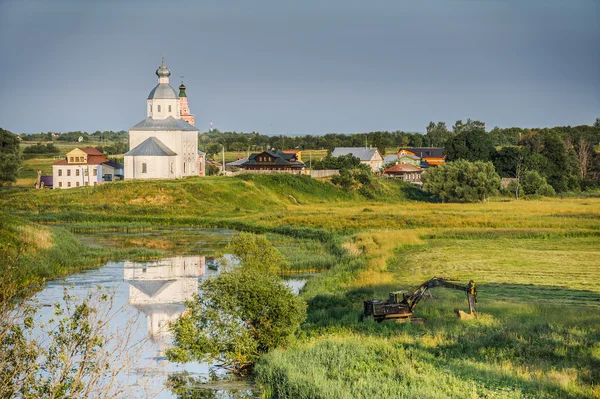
column 165, row 144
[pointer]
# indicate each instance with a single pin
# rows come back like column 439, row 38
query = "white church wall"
column 152, row 108
column 156, row 167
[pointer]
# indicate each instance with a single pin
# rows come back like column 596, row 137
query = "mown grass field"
column 536, row 263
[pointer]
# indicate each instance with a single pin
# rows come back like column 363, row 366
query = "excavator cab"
column 397, row 297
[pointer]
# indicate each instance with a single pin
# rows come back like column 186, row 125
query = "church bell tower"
column 183, row 106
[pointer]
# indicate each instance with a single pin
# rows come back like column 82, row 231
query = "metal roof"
column 238, row 162
column 168, row 124
column 162, row 91
column 364, row 154
column 151, row 147
column 403, row 168
column 281, row 159
column 426, row 152
column 390, row 158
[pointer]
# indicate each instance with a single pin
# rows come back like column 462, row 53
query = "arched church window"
column 150, row 107
column 169, row 108
column 144, row 166
column 184, row 168
column 159, row 108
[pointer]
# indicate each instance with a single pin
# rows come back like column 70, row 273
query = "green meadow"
column 536, row 263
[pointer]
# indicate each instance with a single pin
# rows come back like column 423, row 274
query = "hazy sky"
column 308, row 67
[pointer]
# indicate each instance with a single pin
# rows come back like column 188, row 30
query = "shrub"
column 462, row 181
column 534, row 184
column 236, row 317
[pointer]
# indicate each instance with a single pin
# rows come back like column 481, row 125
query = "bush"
column 236, row 317
column 256, row 252
column 40, row 148
column 534, row 184
column 462, row 181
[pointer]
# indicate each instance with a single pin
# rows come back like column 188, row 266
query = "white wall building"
column 84, row 167
column 367, row 156
column 163, row 146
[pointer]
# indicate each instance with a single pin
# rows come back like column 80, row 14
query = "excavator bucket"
column 472, row 298
column 464, row 315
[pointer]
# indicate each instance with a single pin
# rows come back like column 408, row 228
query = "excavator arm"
column 413, row 299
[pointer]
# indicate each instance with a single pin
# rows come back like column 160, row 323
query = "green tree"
column 558, row 170
column 462, row 181
column 437, row 134
column 236, row 317
column 471, row 124
column 472, row 145
column 342, row 162
column 507, row 160
column 10, row 159
column 256, row 252
column 533, row 183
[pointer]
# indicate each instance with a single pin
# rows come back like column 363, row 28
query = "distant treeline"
column 107, row 135
column 437, row 135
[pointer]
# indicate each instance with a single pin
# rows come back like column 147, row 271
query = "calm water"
column 149, row 295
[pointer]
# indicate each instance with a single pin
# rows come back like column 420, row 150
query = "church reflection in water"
column 158, row 289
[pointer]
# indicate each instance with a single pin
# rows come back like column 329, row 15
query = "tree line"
column 106, row 135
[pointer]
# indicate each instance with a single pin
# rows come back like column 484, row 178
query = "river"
column 148, row 296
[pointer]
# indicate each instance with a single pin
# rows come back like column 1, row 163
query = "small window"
column 76, row 172
column 144, row 166
column 184, row 168
column 60, row 172
column 95, row 173
column 172, row 167
column 87, row 184
column 77, row 184
column 68, row 172
column 68, row 184
column 71, row 159
column 59, row 184
column 169, row 108
column 150, row 107
column 159, row 108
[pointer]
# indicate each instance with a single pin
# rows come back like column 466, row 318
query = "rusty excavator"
column 401, row 306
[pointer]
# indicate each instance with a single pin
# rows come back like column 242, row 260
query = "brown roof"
column 91, row 151
column 91, row 160
column 403, row 168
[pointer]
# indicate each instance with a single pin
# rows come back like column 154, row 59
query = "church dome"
column 163, row 91
column 163, row 71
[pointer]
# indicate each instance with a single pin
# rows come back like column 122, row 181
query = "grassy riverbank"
column 535, row 262
column 32, row 254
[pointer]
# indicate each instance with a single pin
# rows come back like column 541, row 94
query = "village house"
column 423, row 157
column 278, row 161
column 403, row 157
column 367, row 156
column 84, row 167
column 407, row 172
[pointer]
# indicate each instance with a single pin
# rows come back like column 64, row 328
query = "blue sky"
column 304, row 67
